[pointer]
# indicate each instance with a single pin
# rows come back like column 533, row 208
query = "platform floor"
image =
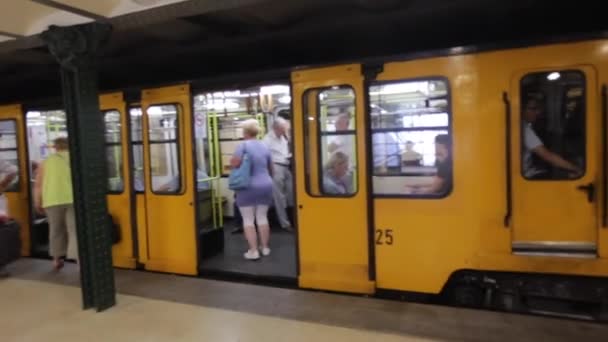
column 37, row 304
column 281, row 263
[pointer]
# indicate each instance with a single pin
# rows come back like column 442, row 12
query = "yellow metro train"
column 511, row 214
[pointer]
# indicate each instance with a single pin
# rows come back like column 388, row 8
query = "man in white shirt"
column 532, row 145
column 282, row 190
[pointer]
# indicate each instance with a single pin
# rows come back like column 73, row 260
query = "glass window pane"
column 165, row 168
column 43, row 127
column 411, row 142
column 410, row 104
column 8, row 134
column 136, row 124
column 330, row 138
column 9, row 169
column 138, row 168
column 553, row 116
column 162, row 121
column 9, row 157
column 113, row 126
column 114, row 164
column 164, row 150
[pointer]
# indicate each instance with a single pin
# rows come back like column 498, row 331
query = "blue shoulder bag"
column 239, row 178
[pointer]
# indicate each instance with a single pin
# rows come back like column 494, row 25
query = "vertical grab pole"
column 216, row 144
column 508, row 214
column 604, row 156
column 210, row 130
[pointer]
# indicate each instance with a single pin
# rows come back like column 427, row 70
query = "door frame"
column 188, row 262
column 19, row 201
column 593, row 166
column 328, row 273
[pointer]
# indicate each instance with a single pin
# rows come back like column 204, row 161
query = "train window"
column 43, row 127
column 137, row 149
column 411, row 141
column 553, row 125
column 9, row 156
column 330, row 138
column 114, row 151
column 164, row 149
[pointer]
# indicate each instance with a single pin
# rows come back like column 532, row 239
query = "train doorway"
column 217, row 134
column 42, row 127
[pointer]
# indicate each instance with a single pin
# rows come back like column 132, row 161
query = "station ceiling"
column 163, row 41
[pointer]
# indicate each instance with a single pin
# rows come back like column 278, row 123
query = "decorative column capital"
column 76, row 46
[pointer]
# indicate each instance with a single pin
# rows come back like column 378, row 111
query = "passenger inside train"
column 277, row 142
column 442, row 181
column 337, row 180
column 534, row 146
column 553, row 125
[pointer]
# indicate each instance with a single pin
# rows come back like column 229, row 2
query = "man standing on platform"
column 282, row 190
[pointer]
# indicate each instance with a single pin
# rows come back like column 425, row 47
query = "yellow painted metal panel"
column 142, row 228
column 120, row 205
column 171, row 231
column 434, row 238
column 18, row 202
column 333, row 232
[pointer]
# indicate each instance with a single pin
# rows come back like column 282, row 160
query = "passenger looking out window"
column 532, row 146
column 337, row 180
column 442, row 181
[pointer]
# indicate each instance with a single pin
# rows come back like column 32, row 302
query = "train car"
column 473, row 177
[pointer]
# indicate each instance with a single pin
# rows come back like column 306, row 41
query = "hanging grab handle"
column 507, row 218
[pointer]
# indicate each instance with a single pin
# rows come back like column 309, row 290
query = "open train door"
column 13, row 162
column 170, row 234
column 554, row 113
column 113, row 109
column 332, row 191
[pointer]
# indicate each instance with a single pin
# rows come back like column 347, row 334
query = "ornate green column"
column 76, row 48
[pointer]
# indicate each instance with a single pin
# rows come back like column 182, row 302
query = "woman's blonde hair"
column 61, row 144
column 251, row 127
column 336, row 158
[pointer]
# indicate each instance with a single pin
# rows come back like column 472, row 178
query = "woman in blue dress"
column 254, row 201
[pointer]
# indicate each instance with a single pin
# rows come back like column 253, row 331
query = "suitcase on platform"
column 10, row 243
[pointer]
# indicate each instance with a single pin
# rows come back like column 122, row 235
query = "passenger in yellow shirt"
column 53, row 196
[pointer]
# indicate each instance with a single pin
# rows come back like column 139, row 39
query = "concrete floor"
column 281, row 263
column 40, row 305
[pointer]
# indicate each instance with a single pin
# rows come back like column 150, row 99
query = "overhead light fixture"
column 285, row 99
column 274, row 89
column 553, row 76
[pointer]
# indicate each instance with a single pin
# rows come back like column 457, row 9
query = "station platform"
column 38, row 304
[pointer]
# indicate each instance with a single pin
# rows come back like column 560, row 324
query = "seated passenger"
column 336, row 178
column 442, row 181
column 410, row 157
column 532, row 145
